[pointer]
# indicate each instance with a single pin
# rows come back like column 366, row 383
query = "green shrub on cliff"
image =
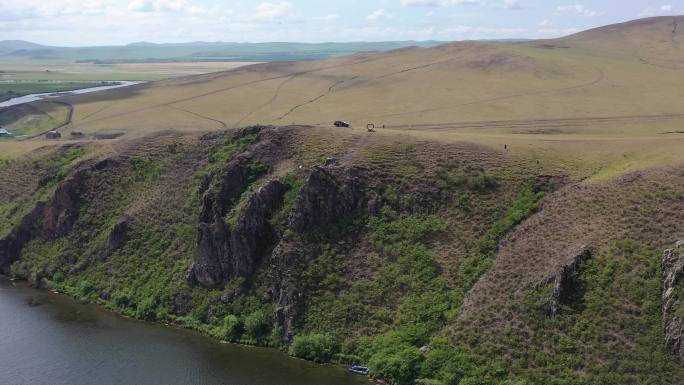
column 314, row 347
column 398, row 363
column 258, row 326
column 232, row 328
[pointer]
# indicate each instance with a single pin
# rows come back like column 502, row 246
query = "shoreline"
column 170, row 325
column 41, row 96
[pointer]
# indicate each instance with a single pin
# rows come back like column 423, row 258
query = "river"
column 50, row 339
column 50, row 95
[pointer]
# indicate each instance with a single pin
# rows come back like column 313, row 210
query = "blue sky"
column 100, row 22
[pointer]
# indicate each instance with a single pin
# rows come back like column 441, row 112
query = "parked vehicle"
column 357, row 369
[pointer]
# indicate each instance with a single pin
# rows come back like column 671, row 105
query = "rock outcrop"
column 326, row 197
column 563, row 283
column 329, row 195
column 285, row 261
column 118, row 235
column 233, row 235
column 228, row 250
column 672, row 294
column 51, row 219
column 231, row 250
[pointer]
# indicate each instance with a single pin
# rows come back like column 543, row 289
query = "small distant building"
column 342, row 123
column 53, row 135
column 5, row 134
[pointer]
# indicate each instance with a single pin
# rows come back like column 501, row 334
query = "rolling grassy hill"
column 506, row 226
column 565, row 97
column 196, row 51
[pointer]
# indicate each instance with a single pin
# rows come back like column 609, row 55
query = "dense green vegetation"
column 50, row 171
column 406, row 302
column 378, row 290
column 315, row 347
column 617, row 293
column 220, row 154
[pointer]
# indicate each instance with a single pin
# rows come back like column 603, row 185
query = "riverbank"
column 16, row 89
column 176, row 323
column 119, row 349
column 67, row 89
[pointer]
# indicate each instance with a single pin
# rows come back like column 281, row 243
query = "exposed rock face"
column 563, row 283
column 51, row 219
column 118, row 235
column 231, row 248
column 224, row 252
column 326, row 198
column 673, row 272
column 285, row 260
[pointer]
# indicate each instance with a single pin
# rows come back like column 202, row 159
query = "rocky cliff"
column 50, row 219
column 415, row 258
column 673, row 299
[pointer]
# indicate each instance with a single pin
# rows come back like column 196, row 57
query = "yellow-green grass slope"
column 611, row 96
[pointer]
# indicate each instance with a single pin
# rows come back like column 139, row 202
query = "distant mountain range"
column 197, row 51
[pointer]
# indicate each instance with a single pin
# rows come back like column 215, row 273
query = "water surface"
column 50, row 339
column 51, row 95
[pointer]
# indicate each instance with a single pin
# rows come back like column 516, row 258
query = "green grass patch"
column 221, row 153
column 611, row 332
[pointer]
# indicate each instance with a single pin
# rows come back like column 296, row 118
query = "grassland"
column 60, row 70
column 35, row 118
column 20, row 78
column 564, row 102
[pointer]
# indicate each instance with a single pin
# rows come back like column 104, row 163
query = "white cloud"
column 270, row 11
column 380, row 14
column 438, row 3
column 545, row 23
column 577, row 9
column 666, row 9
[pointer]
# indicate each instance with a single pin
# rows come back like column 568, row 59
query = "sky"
column 116, row 22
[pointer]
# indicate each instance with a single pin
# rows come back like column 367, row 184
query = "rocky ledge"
column 673, row 320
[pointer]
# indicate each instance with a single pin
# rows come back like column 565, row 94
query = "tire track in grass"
column 223, row 124
column 224, row 89
column 273, row 98
column 314, row 100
